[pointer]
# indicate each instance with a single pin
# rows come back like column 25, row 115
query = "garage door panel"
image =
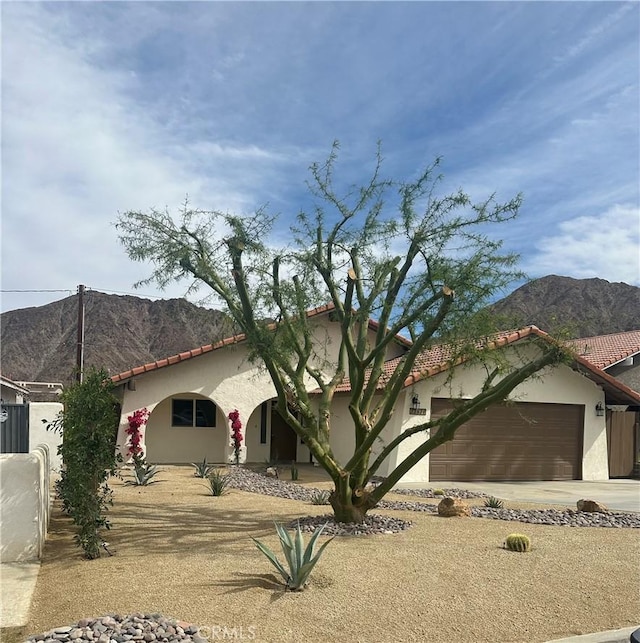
column 523, row 441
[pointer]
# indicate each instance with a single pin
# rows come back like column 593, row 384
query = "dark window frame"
column 202, row 414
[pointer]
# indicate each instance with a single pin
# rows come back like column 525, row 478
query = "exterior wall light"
column 415, row 408
column 599, row 409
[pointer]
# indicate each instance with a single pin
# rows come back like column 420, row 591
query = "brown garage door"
column 522, row 441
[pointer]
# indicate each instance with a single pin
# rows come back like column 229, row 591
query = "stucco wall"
column 38, row 433
column 168, row 444
column 557, row 385
column 227, row 378
column 10, row 396
column 24, row 504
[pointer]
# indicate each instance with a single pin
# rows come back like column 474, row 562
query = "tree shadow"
column 139, row 527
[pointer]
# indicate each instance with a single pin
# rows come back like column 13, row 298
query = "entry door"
column 284, row 441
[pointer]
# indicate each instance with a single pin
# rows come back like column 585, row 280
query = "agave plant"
column 218, row 482
column 320, row 497
column 142, row 473
column 294, row 471
column 300, row 560
column 494, row 503
column 203, row 470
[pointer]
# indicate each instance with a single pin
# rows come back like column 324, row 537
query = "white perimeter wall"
column 38, row 433
column 24, row 504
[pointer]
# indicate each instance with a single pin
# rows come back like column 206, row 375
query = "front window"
column 185, row 412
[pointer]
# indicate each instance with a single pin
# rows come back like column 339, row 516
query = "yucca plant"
column 493, row 503
column 300, row 560
column 202, row 469
column 320, row 497
column 218, row 482
column 143, row 473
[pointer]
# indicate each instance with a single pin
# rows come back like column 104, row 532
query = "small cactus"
column 294, row 471
column 517, row 542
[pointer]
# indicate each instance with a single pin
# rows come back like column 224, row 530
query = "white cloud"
column 605, row 246
column 77, row 150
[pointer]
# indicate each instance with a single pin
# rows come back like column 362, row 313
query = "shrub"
column 218, row 482
column 203, row 470
column 517, row 542
column 142, row 472
column 493, row 503
column 320, row 497
column 438, row 492
column 89, row 424
column 294, row 471
column 300, row 560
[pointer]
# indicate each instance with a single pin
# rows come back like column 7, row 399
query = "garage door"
column 522, row 441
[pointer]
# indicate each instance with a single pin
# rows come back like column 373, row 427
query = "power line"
column 42, row 290
column 71, row 291
column 123, row 292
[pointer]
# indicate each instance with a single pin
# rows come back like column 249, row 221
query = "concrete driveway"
column 617, row 495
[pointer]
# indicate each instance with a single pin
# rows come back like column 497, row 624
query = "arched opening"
column 185, row 428
column 270, row 439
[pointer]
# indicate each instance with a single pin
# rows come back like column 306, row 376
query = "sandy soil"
column 189, row 555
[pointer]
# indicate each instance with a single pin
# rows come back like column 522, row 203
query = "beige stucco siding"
column 226, row 377
column 556, row 385
column 168, row 444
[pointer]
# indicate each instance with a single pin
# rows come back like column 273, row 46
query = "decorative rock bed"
column 254, row 482
column 114, row 627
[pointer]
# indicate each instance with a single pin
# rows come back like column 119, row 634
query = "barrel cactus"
column 517, row 542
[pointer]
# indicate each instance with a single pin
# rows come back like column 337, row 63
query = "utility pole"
column 80, row 343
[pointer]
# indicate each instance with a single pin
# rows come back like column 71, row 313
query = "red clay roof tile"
column 606, row 350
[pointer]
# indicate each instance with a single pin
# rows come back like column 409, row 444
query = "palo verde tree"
column 420, row 264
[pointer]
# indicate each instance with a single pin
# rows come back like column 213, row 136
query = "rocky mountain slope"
column 579, row 307
column 39, row 344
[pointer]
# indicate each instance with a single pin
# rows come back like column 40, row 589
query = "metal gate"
column 14, row 428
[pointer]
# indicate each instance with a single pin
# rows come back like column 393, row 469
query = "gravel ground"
column 183, row 554
column 255, row 482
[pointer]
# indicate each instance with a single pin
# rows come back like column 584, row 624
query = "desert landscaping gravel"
column 185, row 567
column 255, row 482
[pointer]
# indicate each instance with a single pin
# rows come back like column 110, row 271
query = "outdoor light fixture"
column 599, row 409
column 415, row 408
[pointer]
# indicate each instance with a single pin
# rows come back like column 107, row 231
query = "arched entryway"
column 284, row 441
column 185, row 428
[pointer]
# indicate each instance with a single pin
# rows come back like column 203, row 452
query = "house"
column 11, row 392
column 25, row 417
column 618, row 355
column 554, row 426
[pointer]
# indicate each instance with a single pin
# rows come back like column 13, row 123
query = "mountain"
column 579, row 307
column 39, row 344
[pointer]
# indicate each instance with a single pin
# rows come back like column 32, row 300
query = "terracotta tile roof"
column 605, row 350
column 436, row 359
column 235, row 339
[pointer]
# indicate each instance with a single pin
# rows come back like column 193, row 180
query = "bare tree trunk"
column 350, row 505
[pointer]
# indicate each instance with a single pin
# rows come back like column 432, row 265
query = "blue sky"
column 109, row 107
